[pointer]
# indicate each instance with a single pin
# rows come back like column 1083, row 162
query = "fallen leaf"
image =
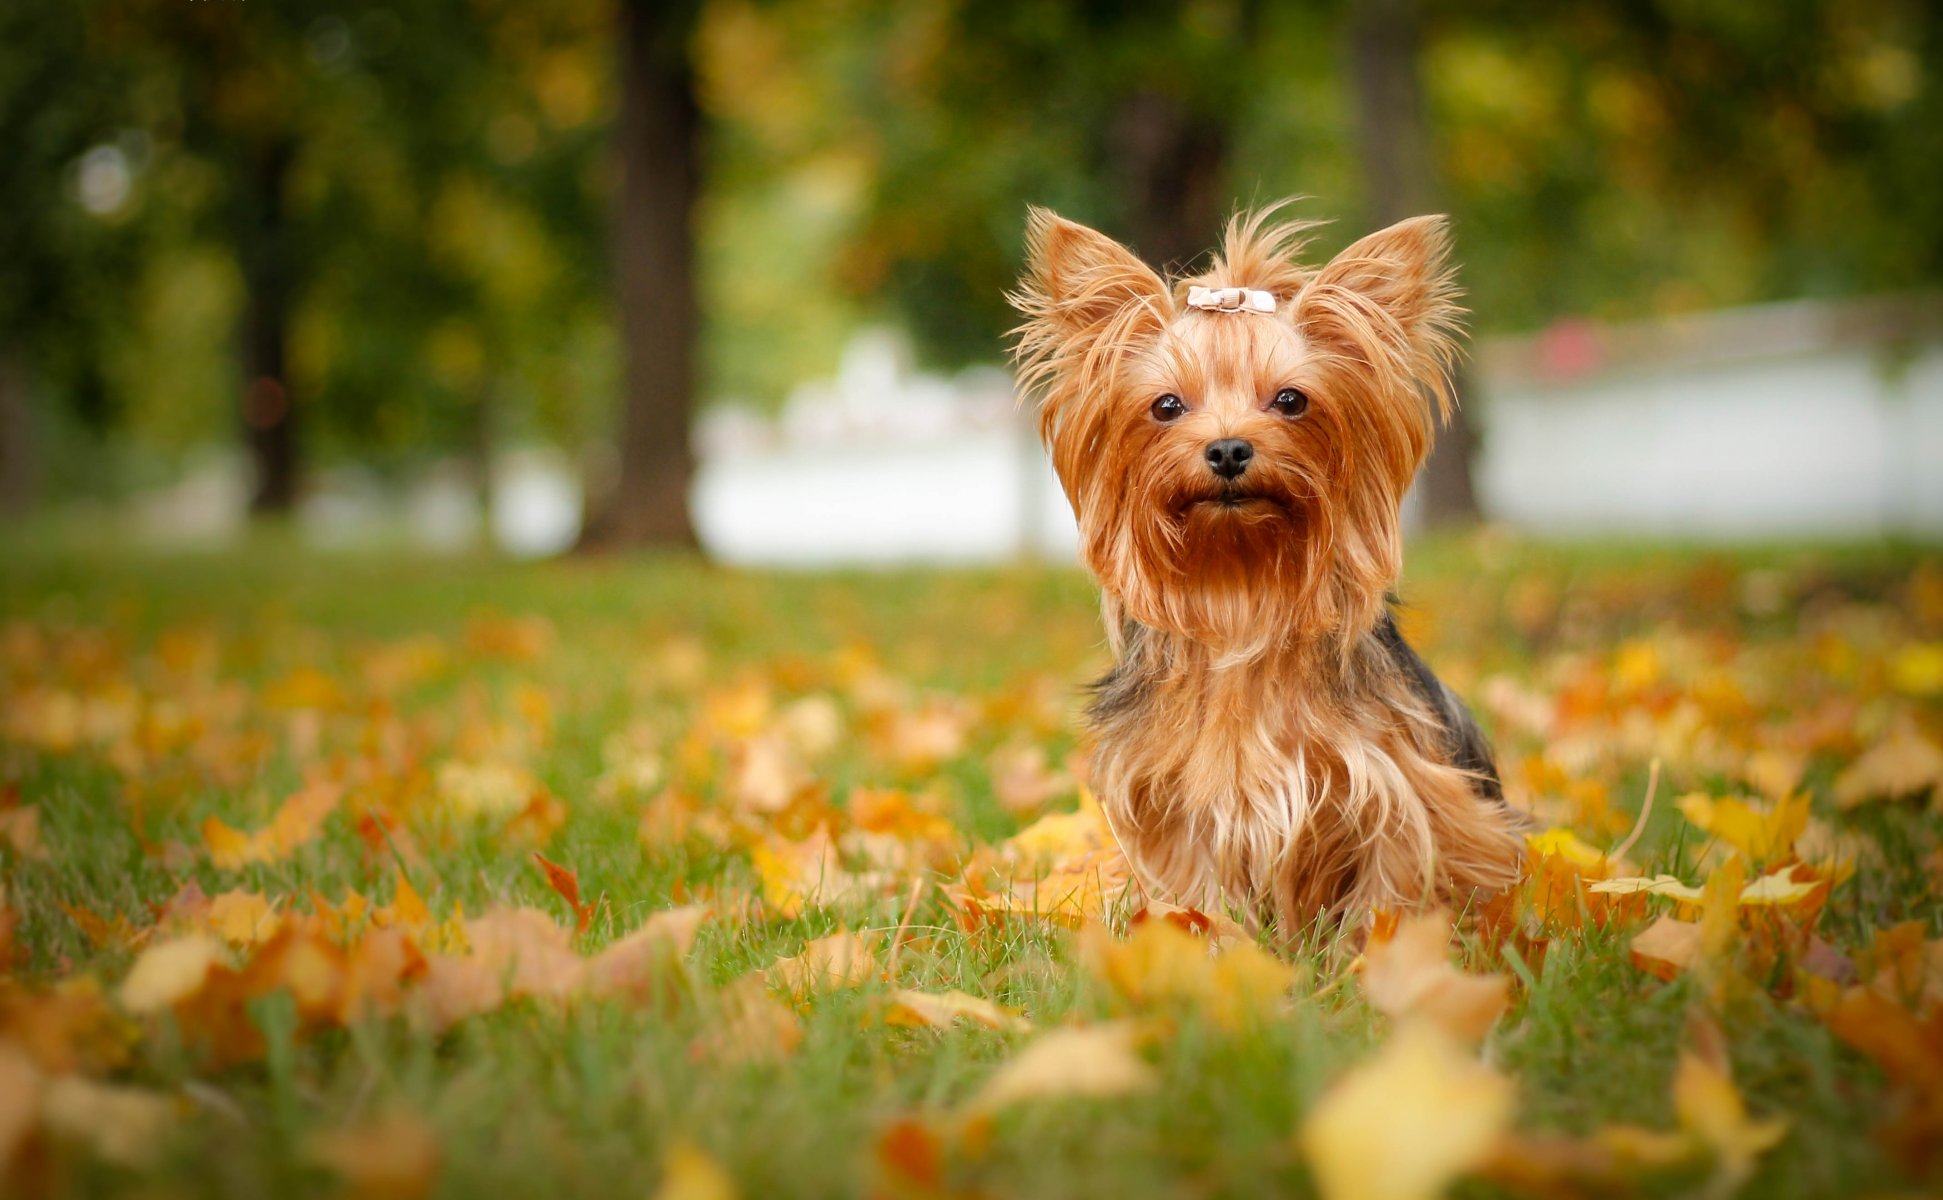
column 1761, row 832
column 841, row 960
column 168, row 972
column 1667, row 947
column 1711, row 1109
column 941, row 1010
column 1159, row 963
column 123, row 1125
column 1410, row 976
column 1405, row 1124
column 689, row 1174
column 567, row 885
column 1906, row 763
column 395, row 1157
column 1092, row 1061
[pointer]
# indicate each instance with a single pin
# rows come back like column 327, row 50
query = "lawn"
column 394, row 876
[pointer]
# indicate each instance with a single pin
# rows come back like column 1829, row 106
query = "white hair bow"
column 1229, row 300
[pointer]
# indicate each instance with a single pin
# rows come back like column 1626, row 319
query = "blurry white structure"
column 1788, row 419
column 883, row 464
column 1784, row 420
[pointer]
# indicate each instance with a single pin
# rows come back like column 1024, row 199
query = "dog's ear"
column 1079, row 282
column 1397, row 286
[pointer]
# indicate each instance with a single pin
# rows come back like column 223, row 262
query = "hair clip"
column 1231, row 300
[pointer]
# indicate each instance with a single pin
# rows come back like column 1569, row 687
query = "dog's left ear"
column 1397, row 285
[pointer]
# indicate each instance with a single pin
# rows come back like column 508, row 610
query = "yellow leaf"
column 242, row 918
column 1410, row 975
column 1563, row 843
column 1658, row 885
column 689, row 1174
column 1408, row 1122
column 940, row 1010
column 1760, row 832
column 230, row 848
column 1709, row 1108
column 1159, row 963
column 168, row 972
column 753, row 1025
column 1917, row 669
column 1093, row 1061
column 392, row 1158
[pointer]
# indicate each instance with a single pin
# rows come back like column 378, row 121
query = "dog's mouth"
column 1236, row 501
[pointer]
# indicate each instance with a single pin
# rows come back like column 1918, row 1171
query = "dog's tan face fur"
column 1270, row 757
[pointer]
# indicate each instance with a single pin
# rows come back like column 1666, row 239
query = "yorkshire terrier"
column 1236, row 447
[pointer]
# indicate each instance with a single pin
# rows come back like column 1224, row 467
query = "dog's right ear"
column 1079, row 282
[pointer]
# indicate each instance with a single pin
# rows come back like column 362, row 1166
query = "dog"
column 1236, row 447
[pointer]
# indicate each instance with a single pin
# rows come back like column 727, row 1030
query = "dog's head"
column 1236, row 446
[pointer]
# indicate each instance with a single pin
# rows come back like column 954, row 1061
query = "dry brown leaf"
column 1667, row 947
column 123, row 1125
column 753, row 1026
column 1906, row 763
column 396, row 1157
column 841, row 960
column 1410, row 975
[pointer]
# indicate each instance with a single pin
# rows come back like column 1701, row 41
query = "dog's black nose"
column 1229, row 457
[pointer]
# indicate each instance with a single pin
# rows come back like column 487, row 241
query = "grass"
column 585, row 1099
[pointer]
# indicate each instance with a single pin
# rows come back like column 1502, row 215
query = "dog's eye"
column 1290, row 402
column 1169, row 408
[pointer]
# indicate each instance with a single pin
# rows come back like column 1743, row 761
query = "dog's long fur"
column 1266, row 737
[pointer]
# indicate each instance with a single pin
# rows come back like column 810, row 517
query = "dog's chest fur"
column 1295, row 788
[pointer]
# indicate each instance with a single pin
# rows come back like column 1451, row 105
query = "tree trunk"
column 269, row 418
column 1385, row 42
column 1169, row 162
column 659, row 135
column 17, row 482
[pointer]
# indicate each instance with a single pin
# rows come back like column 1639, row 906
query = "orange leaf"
column 1667, row 947
column 567, row 884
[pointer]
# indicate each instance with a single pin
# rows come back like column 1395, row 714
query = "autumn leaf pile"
column 391, row 879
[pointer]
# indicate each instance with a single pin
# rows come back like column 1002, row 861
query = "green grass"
column 583, row 1100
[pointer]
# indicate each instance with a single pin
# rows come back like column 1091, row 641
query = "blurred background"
column 615, row 273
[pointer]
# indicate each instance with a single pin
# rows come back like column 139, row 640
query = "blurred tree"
column 658, row 140
column 1384, row 48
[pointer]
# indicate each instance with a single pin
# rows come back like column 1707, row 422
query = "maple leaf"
column 395, row 1157
column 1410, row 975
column 1406, row 1123
column 1762, row 833
column 1092, row 1061
column 941, row 1010
column 567, row 885
column 242, row 918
